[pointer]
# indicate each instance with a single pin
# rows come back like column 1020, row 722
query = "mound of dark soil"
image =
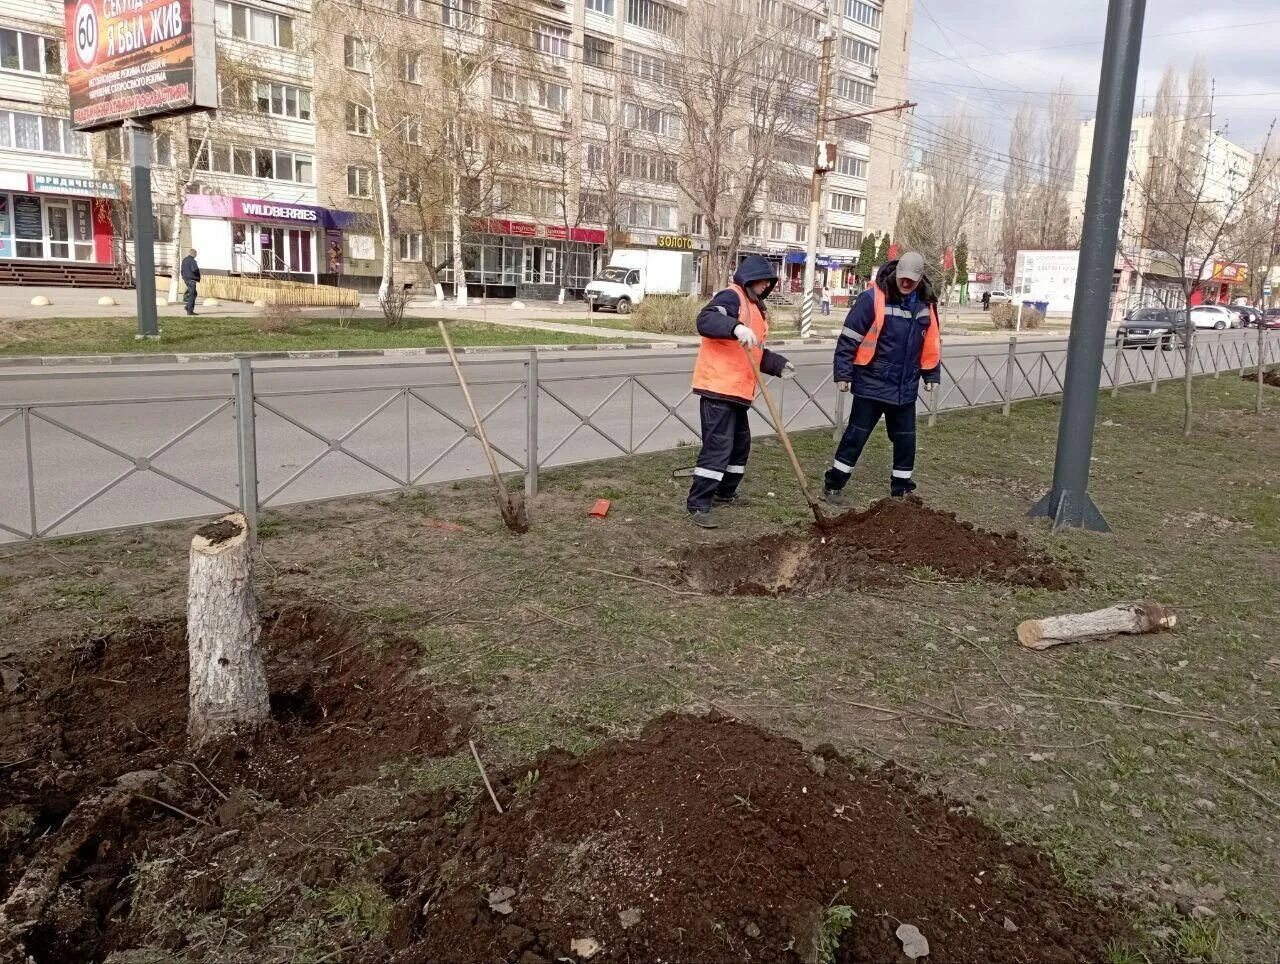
column 903, row 532
column 1271, row 378
column 712, row 841
column 114, row 704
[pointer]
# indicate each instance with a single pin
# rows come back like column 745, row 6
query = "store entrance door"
column 57, row 224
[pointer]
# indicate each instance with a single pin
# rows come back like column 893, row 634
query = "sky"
column 984, row 61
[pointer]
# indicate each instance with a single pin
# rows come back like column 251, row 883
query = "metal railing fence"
column 181, row 443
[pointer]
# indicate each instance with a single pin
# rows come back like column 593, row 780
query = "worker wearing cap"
column 890, row 342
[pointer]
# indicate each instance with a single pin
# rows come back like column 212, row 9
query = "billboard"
column 138, row 58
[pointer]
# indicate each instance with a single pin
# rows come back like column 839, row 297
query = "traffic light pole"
column 815, row 184
column 1068, row 503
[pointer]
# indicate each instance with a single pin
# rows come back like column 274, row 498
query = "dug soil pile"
column 901, row 532
column 110, row 705
column 712, row 841
column 1271, row 378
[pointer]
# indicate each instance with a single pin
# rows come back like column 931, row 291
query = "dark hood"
column 887, row 281
column 756, row 268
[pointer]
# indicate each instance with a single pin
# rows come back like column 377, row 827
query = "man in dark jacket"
column 733, row 323
column 890, row 341
column 191, row 275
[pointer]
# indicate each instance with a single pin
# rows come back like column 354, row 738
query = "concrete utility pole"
column 822, row 163
column 1068, row 503
column 144, row 251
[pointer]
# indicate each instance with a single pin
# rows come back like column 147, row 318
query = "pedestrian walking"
column 826, row 299
column 986, row 301
column 190, row 275
column 891, row 340
column 734, row 319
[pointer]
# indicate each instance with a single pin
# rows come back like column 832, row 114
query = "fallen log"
column 1142, row 616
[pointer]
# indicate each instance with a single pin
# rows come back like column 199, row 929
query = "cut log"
column 228, row 684
column 1142, row 616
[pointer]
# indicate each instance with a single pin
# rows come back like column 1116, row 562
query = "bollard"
column 1008, row 374
column 247, row 443
column 531, row 438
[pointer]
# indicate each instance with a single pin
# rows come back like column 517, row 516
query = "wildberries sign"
column 138, row 58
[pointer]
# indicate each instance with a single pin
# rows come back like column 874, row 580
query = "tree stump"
column 1142, row 616
column 228, row 684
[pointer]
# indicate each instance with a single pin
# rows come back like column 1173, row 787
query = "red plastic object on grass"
column 600, row 509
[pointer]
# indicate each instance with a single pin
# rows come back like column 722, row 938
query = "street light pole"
column 144, row 252
column 1068, row 503
column 821, row 164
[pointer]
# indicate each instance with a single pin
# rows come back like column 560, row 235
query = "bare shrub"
column 667, row 315
column 394, row 304
column 277, row 320
column 1006, row 316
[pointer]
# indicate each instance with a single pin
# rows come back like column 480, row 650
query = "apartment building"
column 285, row 178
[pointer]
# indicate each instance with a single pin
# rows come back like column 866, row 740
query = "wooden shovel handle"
column 475, row 415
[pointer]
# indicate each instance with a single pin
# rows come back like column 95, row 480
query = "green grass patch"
column 107, row 336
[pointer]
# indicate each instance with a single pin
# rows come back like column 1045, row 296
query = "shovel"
column 510, row 504
column 776, row 417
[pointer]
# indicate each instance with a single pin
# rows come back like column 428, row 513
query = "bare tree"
column 1195, row 194
column 950, row 181
column 603, row 171
column 1061, row 138
column 1017, row 187
column 737, row 104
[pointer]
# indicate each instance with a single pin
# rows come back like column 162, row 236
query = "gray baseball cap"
column 911, row 266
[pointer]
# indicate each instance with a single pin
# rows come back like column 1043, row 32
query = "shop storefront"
column 248, row 236
column 518, row 259
column 46, row 217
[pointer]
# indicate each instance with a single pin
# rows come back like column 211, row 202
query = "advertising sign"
column 1235, row 272
column 80, row 186
column 138, row 58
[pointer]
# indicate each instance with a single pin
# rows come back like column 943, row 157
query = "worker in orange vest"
column 890, row 342
column 736, row 318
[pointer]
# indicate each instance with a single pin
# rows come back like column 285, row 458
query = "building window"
column 852, row 129
column 359, row 182
column 249, row 23
column 597, row 52
column 751, row 228
column 596, row 106
column 783, row 192
column 799, row 64
column 851, row 166
column 162, row 223
column 652, row 119
column 643, row 166
column 407, row 8
column 407, row 188
column 162, row 149
column 505, row 86
column 358, row 119
column 863, row 13
column 355, row 55
column 802, row 233
column 646, row 67
column 652, row 15
column 265, row 163
column 695, row 225
column 410, row 67
column 282, row 100
column 844, row 238
column 848, row 203
column 37, row 132
column 638, row 213
column 552, row 96
column 411, row 246
column 460, row 14
column 551, row 40
column 776, row 231
column 548, row 150
column 859, row 51
column 413, row 133
column 855, row 90
column 29, row 53
column 601, row 6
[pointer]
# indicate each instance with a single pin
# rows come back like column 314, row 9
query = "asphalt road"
column 326, row 429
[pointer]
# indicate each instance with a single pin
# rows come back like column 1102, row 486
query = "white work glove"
column 746, row 337
column 788, row 371
column 928, row 386
column 843, row 386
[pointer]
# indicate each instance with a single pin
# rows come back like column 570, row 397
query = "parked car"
column 1217, row 317
column 1271, row 318
column 1249, row 315
column 1148, row 327
column 1000, row 298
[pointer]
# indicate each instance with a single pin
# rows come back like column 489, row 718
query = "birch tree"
column 1060, row 140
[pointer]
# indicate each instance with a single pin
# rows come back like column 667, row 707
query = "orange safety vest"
column 722, row 367
column 930, row 352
